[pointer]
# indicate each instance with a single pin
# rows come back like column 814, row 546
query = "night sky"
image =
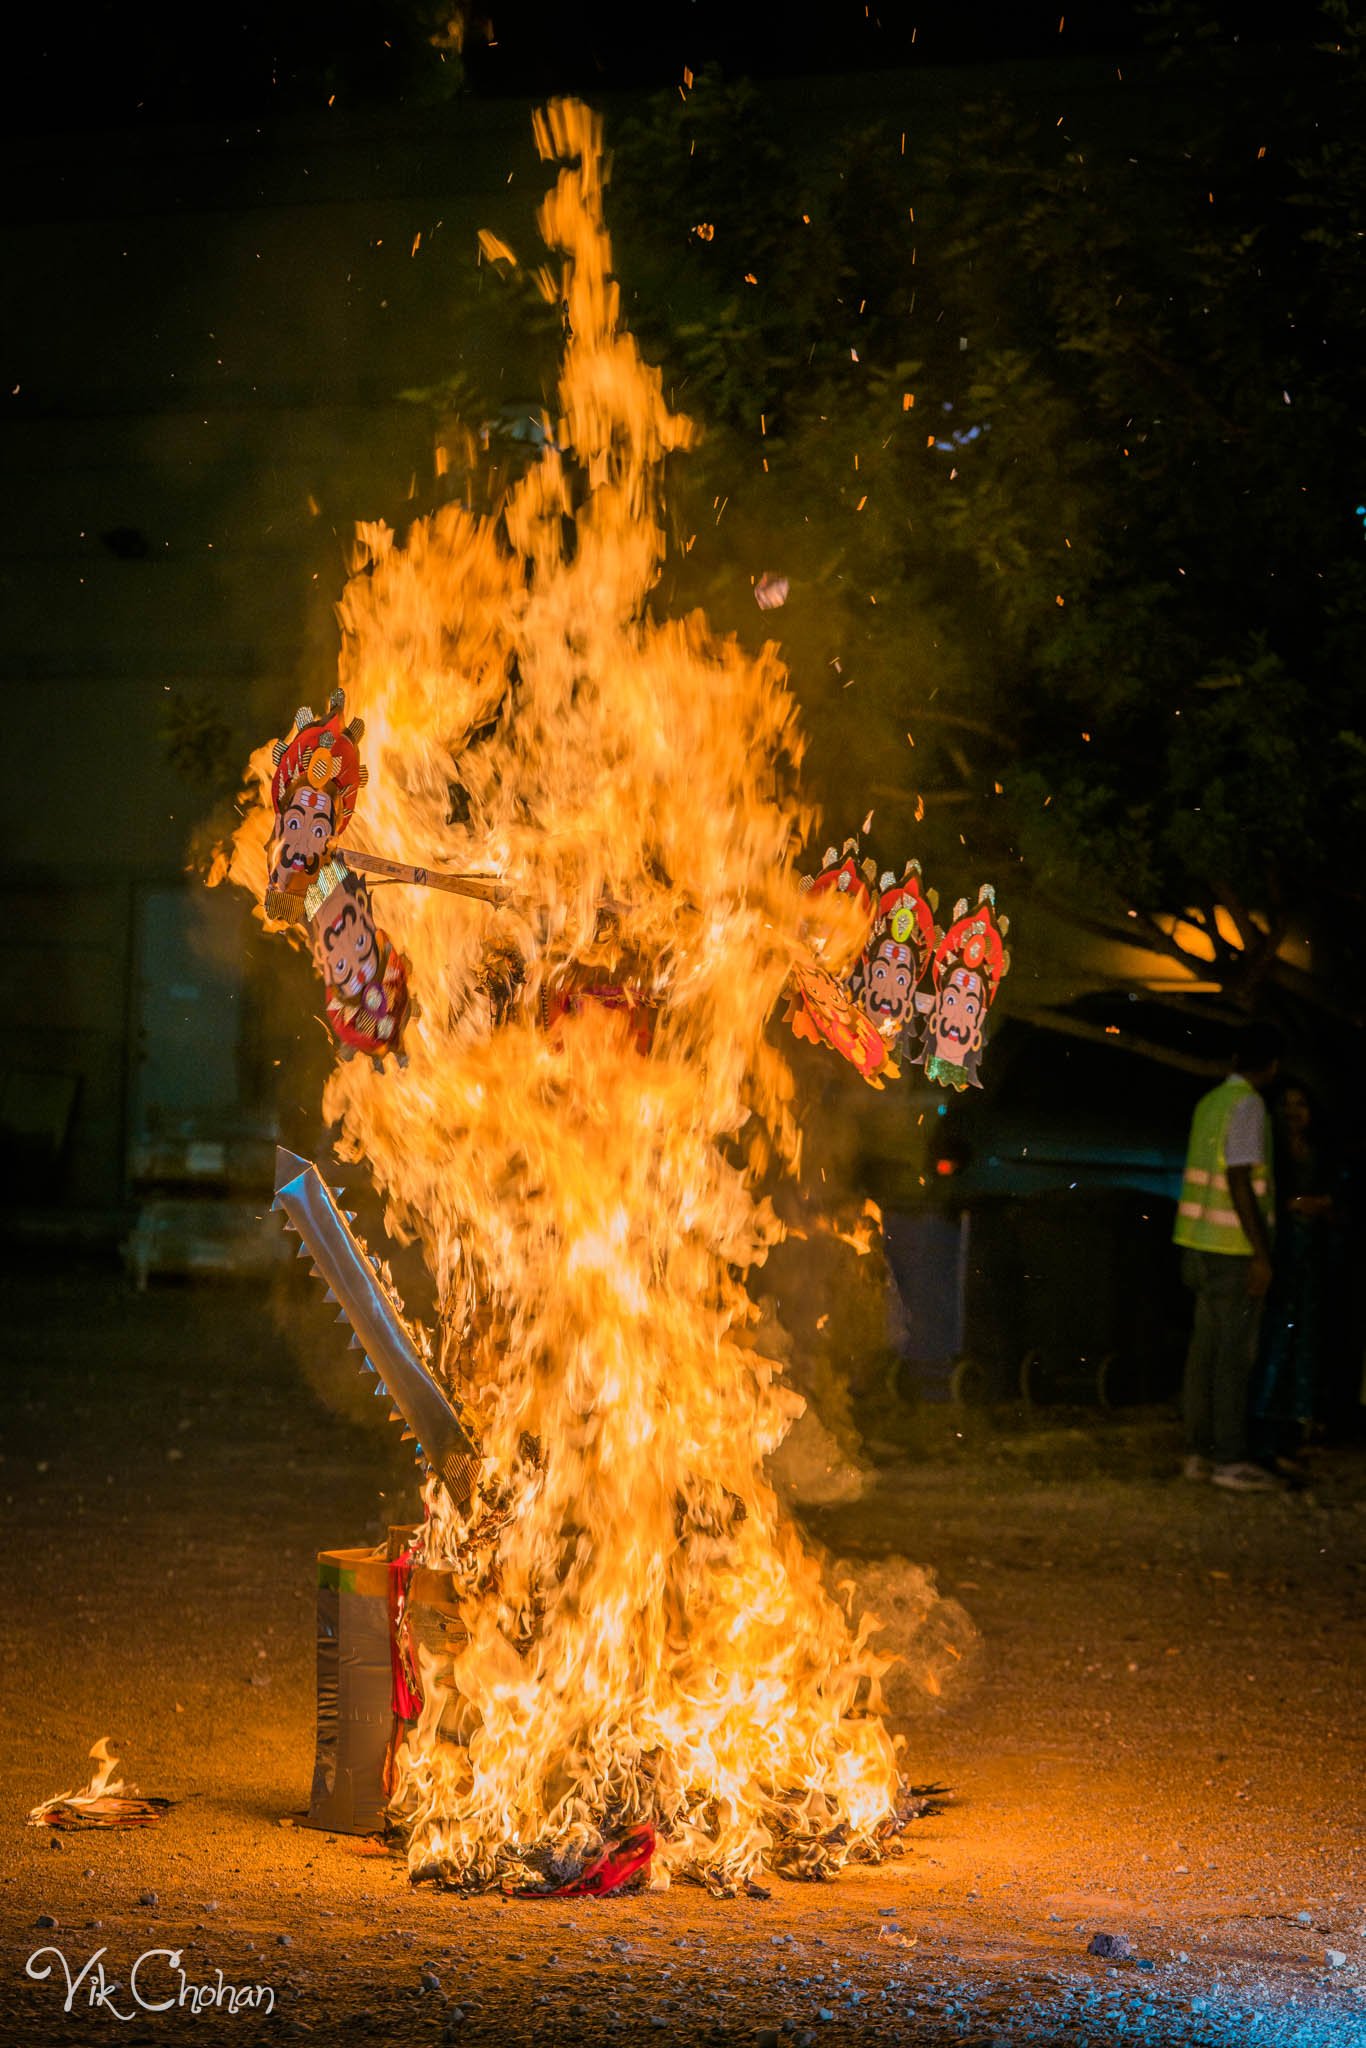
column 114, row 67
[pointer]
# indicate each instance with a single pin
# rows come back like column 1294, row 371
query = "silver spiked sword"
column 377, row 1324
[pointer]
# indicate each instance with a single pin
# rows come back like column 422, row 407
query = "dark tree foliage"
column 1184, row 316
column 1054, row 428
column 775, row 274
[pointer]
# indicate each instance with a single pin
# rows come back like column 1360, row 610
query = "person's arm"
column 1254, row 1225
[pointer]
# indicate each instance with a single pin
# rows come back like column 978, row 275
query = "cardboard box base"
column 355, row 1679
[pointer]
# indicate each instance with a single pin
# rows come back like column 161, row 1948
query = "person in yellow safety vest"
column 1224, row 1224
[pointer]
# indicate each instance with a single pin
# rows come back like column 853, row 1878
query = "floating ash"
column 647, row 1658
column 104, row 1803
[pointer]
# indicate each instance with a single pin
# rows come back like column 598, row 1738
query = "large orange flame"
column 646, row 1637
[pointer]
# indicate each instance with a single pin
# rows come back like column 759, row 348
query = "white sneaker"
column 1197, row 1466
column 1243, row 1477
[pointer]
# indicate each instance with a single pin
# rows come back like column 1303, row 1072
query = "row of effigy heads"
column 917, row 993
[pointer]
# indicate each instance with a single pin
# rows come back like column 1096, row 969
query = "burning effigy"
column 556, row 1068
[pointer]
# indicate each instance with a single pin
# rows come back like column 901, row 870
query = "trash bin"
column 927, row 1255
column 1063, row 1296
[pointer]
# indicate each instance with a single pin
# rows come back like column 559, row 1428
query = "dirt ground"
column 1158, row 1736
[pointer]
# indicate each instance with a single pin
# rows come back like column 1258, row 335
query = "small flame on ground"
column 646, row 1640
column 103, row 1784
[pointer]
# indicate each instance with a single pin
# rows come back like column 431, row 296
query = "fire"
column 102, row 1781
column 647, row 1640
column 104, row 1803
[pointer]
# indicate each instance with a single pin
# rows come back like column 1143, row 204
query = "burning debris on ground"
column 106, row 1802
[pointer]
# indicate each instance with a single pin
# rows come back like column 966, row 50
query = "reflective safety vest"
column 1206, row 1220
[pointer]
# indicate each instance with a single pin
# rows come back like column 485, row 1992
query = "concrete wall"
column 206, row 335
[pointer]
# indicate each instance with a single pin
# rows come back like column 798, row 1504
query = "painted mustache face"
column 293, row 859
column 958, row 1017
column 302, row 839
column 887, row 996
column 350, row 954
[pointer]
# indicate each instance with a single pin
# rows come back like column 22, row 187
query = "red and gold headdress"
column 905, row 914
column 975, row 939
column 842, row 871
column 869, row 1015
column 318, row 776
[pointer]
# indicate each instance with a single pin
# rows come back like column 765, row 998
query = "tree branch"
column 1132, row 933
column 959, row 718
column 1122, row 1041
column 1183, row 383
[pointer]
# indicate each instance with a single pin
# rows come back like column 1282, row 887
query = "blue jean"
column 1216, row 1394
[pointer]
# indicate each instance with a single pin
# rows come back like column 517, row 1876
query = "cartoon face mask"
column 889, row 986
column 954, row 1029
column 823, row 1013
column 302, row 832
column 367, row 999
column 318, row 776
column 345, row 938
